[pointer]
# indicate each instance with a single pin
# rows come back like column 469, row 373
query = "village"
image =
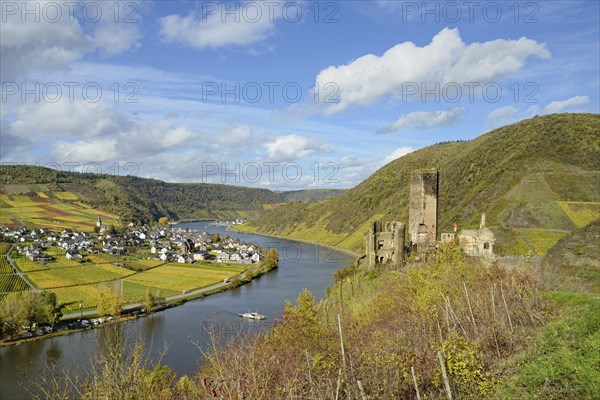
column 165, row 243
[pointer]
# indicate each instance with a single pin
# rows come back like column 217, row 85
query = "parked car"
column 85, row 322
column 186, row 291
column 27, row 335
column 95, row 321
column 40, row 332
column 109, row 318
column 226, row 280
column 48, row 329
column 100, row 320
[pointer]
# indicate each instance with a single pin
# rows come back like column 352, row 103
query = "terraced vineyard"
column 12, row 283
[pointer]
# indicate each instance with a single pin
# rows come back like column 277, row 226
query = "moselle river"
column 181, row 329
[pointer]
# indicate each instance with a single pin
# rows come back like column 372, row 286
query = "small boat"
column 252, row 315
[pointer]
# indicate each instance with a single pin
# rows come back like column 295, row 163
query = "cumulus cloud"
column 58, row 37
column 423, row 120
column 292, row 147
column 220, row 26
column 558, row 106
column 447, row 59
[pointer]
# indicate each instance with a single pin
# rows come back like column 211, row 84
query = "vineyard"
column 5, row 267
column 12, row 283
column 4, row 248
column 76, row 276
column 178, row 278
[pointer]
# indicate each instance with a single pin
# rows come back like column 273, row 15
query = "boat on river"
column 252, row 315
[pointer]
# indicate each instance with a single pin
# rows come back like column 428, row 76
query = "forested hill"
column 537, row 181
column 138, row 199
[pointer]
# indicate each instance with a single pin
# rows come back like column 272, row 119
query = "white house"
column 235, row 257
column 181, row 259
column 163, row 256
column 223, row 257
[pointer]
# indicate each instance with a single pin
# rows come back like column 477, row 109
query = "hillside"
column 311, row 194
column 537, row 181
column 131, row 198
column 27, row 192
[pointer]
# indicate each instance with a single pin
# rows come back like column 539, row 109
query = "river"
column 301, row 266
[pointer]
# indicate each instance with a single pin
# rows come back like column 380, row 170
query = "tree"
column 109, row 302
column 149, row 300
column 53, row 310
column 10, row 314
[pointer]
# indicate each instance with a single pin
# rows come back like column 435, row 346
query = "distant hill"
column 133, row 198
column 537, row 180
column 307, row 195
column 28, row 191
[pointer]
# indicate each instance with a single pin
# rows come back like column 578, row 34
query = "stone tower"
column 385, row 245
column 423, row 213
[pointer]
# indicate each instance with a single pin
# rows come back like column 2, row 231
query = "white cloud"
column 502, row 113
column 399, row 152
column 445, row 60
column 558, row 106
column 57, row 38
column 221, row 26
column 292, row 147
column 65, row 118
column 422, row 120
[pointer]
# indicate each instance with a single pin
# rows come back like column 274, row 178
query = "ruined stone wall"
column 423, row 211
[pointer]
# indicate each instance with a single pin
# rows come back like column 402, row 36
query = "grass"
column 12, row 283
column 179, row 278
column 76, row 276
column 563, row 361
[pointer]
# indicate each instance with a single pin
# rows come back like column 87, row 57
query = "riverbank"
column 133, row 311
column 240, row 229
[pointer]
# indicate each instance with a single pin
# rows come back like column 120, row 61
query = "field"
column 76, row 276
column 4, row 248
column 581, row 213
column 541, row 240
column 71, row 296
column 5, row 267
column 12, row 283
column 179, row 278
column 145, row 264
column 54, row 210
column 137, row 292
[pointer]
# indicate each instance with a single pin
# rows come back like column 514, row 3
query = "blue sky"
column 280, row 94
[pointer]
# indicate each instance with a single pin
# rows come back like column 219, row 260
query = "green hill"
column 537, row 181
column 131, row 198
column 27, row 192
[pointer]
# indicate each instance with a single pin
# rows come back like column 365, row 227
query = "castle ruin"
column 387, row 244
column 383, row 245
column 423, row 211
